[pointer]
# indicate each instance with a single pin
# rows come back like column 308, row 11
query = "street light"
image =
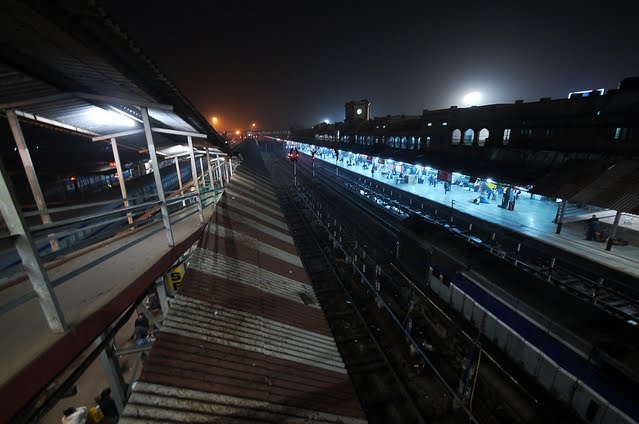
column 253, row 125
column 214, row 120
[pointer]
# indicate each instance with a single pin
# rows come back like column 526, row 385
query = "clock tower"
column 357, row 110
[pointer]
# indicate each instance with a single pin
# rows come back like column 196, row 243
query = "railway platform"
column 531, row 217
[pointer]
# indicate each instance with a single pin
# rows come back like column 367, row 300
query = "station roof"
column 66, row 64
column 615, row 187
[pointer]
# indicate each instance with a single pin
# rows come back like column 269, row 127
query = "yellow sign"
column 174, row 277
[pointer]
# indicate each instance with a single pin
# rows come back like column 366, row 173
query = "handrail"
column 18, row 276
column 46, row 227
column 70, row 208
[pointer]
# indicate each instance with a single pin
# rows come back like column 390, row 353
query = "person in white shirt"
column 74, row 415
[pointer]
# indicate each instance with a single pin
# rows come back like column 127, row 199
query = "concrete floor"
column 532, row 217
column 93, row 381
column 86, row 283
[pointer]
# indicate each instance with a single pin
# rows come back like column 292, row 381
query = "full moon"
column 472, row 98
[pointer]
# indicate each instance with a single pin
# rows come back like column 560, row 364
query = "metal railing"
column 91, row 230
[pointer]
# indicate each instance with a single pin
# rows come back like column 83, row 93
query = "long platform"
column 245, row 339
column 531, row 217
column 93, row 289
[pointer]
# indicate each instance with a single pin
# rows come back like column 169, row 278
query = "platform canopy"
column 595, row 183
column 66, row 64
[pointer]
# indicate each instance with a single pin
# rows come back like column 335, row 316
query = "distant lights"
column 326, row 121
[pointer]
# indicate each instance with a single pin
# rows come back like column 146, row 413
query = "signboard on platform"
column 174, row 277
column 444, row 176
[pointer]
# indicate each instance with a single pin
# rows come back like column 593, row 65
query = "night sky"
column 297, row 63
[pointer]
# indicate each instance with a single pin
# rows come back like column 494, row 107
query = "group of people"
column 103, row 412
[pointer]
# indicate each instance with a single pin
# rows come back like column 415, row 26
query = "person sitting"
column 74, row 415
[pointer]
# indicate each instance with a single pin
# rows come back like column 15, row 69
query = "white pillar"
column 208, row 162
column 118, row 167
column 198, row 198
column 113, row 374
column 202, row 171
column 164, row 302
column 613, row 234
column 27, row 163
column 179, row 174
column 211, row 181
column 219, row 171
column 29, row 255
column 157, row 176
column 227, row 165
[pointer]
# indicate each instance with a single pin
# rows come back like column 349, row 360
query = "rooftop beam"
column 117, row 135
column 35, row 101
column 122, row 101
column 85, row 96
column 177, row 132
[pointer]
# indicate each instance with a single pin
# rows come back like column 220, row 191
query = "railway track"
column 383, row 394
column 404, row 328
column 422, row 394
column 618, row 298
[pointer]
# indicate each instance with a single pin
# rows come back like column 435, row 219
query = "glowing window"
column 506, row 138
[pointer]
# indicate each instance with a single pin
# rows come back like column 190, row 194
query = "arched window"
column 468, row 137
column 483, row 135
column 506, row 138
column 456, row 137
column 403, row 145
column 419, row 144
column 428, row 142
column 411, row 143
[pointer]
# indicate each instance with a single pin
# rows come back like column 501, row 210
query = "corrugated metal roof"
column 617, row 188
column 567, row 180
column 245, row 339
column 592, row 183
column 60, row 46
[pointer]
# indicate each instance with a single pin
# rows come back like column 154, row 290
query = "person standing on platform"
column 591, row 227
